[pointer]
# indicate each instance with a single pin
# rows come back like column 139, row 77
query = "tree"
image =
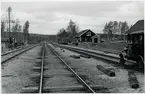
column 68, row 33
column 116, row 27
column 124, row 27
column 2, row 27
column 72, row 30
column 120, row 26
column 72, row 27
column 110, row 24
column 60, row 31
column 105, row 30
column 19, row 28
column 15, row 27
column 110, row 34
column 20, row 37
column 26, row 31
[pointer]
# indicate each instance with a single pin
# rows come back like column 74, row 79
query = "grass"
column 114, row 46
column 117, row 46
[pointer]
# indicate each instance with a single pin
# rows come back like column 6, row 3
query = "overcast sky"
column 49, row 17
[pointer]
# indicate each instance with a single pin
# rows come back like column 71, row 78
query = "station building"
column 87, row 36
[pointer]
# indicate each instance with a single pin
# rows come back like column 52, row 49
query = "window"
column 88, row 33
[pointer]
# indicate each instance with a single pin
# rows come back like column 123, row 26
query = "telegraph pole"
column 9, row 11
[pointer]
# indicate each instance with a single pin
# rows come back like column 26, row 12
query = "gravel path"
column 87, row 67
column 16, row 73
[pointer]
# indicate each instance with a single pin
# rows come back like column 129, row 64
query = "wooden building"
column 4, row 44
column 87, row 36
column 96, row 39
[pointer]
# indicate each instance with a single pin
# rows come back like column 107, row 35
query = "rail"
column 42, row 70
column 78, row 77
column 17, row 54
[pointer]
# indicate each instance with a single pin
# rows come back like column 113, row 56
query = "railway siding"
column 11, row 55
column 19, row 71
column 87, row 66
column 110, row 58
column 57, row 78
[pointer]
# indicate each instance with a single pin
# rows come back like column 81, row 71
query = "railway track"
column 10, row 55
column 56, row 75
column 17, row 49
column 109, row 51
column 114, row 59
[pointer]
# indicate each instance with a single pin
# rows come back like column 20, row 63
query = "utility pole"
column 9, row 11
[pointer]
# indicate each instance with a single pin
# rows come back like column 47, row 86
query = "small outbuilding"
column 96, row 39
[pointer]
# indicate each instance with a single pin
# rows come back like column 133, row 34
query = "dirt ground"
column 117, row 84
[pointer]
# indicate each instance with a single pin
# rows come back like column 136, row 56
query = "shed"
column 96, row 39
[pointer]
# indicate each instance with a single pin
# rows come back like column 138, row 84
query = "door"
column 95, row 40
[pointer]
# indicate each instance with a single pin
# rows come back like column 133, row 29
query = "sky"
column 49, row 17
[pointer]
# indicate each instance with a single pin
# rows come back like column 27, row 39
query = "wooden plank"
column 133, row 80
column 68, row 88
column 75, row 56
column 85, row 56
column 106, row 71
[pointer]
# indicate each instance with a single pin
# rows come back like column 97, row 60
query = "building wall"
column 85, row 38
column 94, row 38
column 4, row 46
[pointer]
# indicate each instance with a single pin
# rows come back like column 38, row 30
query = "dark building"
column 62, row 37
column 135, row 44
column 87, row 36
column 4, row 44
column 136, row 39
column 138, row 27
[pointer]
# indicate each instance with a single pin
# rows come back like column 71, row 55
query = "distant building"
column 62, row 37
column 4, row 44
column 87, row 36
column 96, row 39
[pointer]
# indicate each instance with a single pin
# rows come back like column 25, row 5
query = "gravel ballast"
column 16, row 73
column 87, row 67
column 57, row 74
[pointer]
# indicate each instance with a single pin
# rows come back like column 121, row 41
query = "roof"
column 138, row 27
column 82, row 32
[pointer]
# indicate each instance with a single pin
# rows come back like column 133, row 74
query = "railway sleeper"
column 46, row 68
column 38, row 69
column 133, row 80
column 106, row 71
column 40, row 57
column 75, row 56
column 63, row 88
column 85, row 56
column 35, row 77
